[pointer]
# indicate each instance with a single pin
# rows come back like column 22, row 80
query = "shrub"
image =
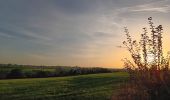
column 41, row 73
column 3, row 74
column 60, row 71
column 15, row 73
column 149, row 70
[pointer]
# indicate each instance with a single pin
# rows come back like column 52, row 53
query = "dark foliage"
column 28, row 71
column 15, row 73
column 149, row 71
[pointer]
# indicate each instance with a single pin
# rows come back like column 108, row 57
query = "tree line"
column 9, row 71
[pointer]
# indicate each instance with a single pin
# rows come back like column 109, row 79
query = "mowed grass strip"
column 82, row 87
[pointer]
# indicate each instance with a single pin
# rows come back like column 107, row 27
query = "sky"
column 75, row 32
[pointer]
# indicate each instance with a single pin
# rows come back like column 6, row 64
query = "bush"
column 41, row 73
column 15, row 73
column 150, row 69
column 3, row 74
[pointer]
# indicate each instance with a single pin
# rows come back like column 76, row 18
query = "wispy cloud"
column 149, row 8
column 57, row 31
column 157, row 6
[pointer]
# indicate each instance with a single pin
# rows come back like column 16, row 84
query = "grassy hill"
column 82, row 87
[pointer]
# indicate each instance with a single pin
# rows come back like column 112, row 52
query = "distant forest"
column 13, row 71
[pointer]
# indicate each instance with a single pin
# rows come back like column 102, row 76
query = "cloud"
column 64, row 29
column 149, row 8
column 157, row 6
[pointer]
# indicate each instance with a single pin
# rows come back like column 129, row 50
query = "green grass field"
column 82, row 87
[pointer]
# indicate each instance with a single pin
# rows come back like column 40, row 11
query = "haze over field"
column 74, row 32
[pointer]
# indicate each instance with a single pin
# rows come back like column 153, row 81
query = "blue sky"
column 73, row 32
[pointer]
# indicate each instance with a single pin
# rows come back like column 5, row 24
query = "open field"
column 82, row 87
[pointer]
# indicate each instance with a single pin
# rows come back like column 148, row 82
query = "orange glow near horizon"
column 76, row 33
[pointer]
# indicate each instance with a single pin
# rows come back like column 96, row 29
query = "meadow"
column 81, row 87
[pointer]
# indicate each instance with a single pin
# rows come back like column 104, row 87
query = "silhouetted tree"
column 149, row 70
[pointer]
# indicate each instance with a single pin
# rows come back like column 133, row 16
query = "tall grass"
column 149, row 70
